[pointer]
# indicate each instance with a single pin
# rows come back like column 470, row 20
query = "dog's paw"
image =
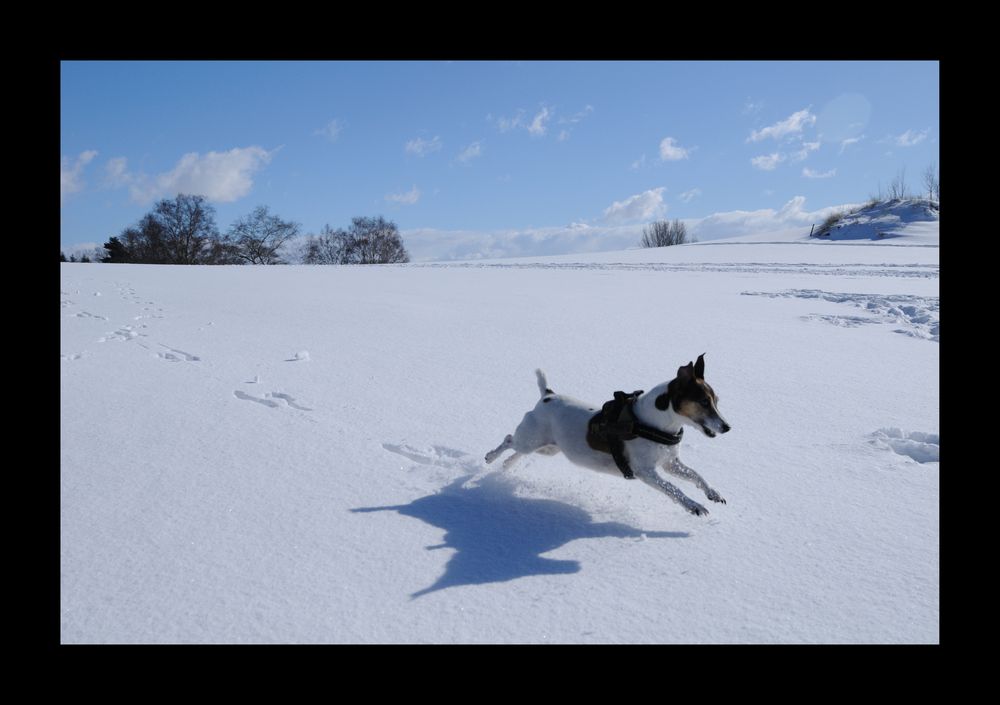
column 696, row 509
column 715, row 496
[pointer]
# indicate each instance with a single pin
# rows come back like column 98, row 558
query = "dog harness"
column 608, row 430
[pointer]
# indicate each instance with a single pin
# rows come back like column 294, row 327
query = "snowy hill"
column 295, row 454
column 911, row 220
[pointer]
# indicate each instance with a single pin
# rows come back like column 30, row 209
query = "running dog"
column 632, row 434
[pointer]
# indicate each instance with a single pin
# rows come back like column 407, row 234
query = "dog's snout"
column 725, row 427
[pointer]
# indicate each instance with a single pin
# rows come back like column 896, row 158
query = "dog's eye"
column 704, row 402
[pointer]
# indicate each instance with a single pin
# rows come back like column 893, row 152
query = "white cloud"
column 911, row 137
column 752, row 107
column 429, row 244
column 331, row 130
column 791, row 216
column 768, row 162
column 811, row 174
column 505, row 124
column 71, row 172
column 563, row 135
column 537, row 127
column 791, row 125
column 688, row 196
column 587, row 110
column 670, row 151
column 116, row 172
column 807, row 147
column 639, row 163
column 471, row 152
column 844, row 144
column 422, row 147
column 642, row 206
column 406, row 199
column 218, row 176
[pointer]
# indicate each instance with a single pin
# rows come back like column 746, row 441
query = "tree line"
column 183, row 230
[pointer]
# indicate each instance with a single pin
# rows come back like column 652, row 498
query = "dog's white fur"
column 559, row 423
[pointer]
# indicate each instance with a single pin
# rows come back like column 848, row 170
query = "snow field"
column 294, row 454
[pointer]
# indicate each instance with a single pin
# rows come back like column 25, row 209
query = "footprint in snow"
column 921, row 447
column 269, row 399
column 175, row 355
column 441, row 456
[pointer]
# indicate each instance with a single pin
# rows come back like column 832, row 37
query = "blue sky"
column 478, row 159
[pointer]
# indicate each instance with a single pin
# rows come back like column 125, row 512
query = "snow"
column 912, row 220
column 217, row 489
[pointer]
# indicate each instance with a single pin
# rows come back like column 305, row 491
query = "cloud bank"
column 428, row 244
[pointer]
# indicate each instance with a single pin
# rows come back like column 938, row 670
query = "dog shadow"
column 498, row 536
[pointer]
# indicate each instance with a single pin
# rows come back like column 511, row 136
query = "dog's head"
column 693, row 399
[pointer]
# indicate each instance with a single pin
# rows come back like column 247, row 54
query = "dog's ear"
column 686, row 373
column 699, row 367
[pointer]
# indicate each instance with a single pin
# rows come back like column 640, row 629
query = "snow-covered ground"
column 295, row 454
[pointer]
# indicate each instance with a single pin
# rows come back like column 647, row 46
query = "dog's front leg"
column 650, row 477
column 678, row 469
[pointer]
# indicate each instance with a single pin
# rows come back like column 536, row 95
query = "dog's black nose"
column 725, row 428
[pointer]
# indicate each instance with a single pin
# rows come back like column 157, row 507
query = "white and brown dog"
column 561, row 423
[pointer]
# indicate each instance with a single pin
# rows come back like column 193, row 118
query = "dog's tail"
column 543, row 384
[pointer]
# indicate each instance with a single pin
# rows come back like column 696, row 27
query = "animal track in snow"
column 922, row 447
column 917, row 315
column 269, row 399
column 290, row 400
column 175, row 355
column 440, row 456
column 71, row 356
column 88, row 314
column 125, row 333
column 923, row 271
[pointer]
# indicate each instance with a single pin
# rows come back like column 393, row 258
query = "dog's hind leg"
column 655, row 481
column 508, row 443
column 509, row 461
column 678, row 469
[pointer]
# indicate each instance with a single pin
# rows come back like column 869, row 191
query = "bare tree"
column 326, row 248
column 373, row 241
column 897, row 187
column 661, row 233
column 177, row 231
column 257, row 238
column 188, row 228
column 931, row 183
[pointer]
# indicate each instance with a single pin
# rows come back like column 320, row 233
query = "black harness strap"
column 608, row 430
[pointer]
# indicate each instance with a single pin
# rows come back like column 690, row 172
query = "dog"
column 560, row 423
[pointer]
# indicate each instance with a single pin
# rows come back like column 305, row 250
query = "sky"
column 476, row 159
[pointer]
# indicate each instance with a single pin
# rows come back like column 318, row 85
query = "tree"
column 374, row 241
column 258, row 237
column 661, row 233
column 931, row 183
column 326, row 248
column 186, row 225
column 897, row 187
column 177, row 231
column 117, row 253
column 367, row 241
column 62, row 256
